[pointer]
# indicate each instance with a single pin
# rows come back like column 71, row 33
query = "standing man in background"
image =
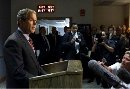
column 20, row 60
column 55, row 45
column 74, row 47
column 73, row 43
column 43, row 46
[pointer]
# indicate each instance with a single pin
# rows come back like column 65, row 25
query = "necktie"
column 32, row 46
column 31, row 43
column 76, row 43
column 47, row 42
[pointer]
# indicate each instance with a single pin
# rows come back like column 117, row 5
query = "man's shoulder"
column 12, row 38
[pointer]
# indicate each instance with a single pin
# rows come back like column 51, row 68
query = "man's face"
column 54, row 30
column 126, row 62
column 111, row 31
column 43, row 31
column 29, row 25
column 124, row 27
column 74, row 28
column 118, row 32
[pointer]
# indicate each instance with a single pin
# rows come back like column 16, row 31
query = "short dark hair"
column 53, row 28
column 41, row 28
column 73, row 24
column 23, row 14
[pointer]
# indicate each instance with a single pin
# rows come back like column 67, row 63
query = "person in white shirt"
column 124, row 64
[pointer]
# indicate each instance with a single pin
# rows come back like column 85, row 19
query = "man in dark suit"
column 43, row 46
column 55, row 45
column 74, row 47
column 73, row 43
column 20, row 60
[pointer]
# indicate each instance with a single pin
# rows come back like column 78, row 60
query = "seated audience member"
column 124, row 64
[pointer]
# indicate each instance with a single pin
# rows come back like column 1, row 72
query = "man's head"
column 42, row 30
column 124, row 28
column 126, row 61
column 26, row 20
column 74, row 28
column 118, row 31
column 54, row 31
column 102, row 27
column 65, row 29
column 110, row 30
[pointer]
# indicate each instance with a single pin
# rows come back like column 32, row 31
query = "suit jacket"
column 20, row 60
column 44, row 47
column 69, row 48
column 55, row 46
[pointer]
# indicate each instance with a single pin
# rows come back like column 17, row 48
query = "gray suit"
column 20, row 60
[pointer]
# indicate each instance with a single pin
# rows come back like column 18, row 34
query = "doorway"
column 49, row 22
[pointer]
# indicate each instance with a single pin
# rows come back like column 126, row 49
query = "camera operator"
column 103, row 50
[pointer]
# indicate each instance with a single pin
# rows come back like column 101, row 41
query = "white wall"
column 126, row 11
column 96, row 16
column 108, row 15
column 64, row 8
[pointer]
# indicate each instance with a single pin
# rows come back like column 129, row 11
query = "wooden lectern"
column 65, row 74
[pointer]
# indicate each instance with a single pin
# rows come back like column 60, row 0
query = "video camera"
column 99, row 37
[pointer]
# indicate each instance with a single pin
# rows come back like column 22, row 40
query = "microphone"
column 124, row 75
column 105, row 74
